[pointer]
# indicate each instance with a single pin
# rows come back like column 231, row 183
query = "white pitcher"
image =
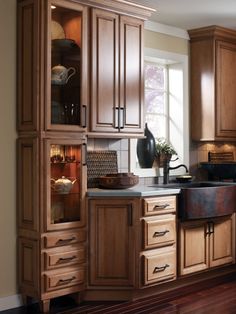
column 61, row 75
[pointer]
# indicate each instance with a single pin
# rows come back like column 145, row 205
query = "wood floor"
column 220, row 299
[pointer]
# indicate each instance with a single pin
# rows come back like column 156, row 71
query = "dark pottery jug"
column 146, row 149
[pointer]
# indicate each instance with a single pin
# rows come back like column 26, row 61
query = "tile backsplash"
column 199, row 153
column 119, row 145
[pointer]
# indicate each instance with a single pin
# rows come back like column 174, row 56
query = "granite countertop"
column 136, row 191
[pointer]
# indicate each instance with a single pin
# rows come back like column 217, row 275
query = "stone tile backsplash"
column 120, row 145
column 199, row 153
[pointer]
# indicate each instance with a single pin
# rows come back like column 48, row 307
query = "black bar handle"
column 158, row 269
column 160, row 233
column 84, row 116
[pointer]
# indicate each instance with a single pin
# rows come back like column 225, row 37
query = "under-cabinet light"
column 53, row 7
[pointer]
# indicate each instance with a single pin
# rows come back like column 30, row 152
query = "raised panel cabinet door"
column 226, row 92
column 222, row 241
column 193, row 247
column 131, row 75
column 112, row 249
column 28, row 181
column 104, row 67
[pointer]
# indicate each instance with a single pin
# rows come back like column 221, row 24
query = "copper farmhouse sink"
column 205, row 200
column 198, row 200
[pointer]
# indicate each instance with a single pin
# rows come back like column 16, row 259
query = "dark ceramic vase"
column 146, row 149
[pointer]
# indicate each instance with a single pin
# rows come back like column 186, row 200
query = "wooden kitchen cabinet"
column 117, row 73
column 51, row 149
column 206, row 243
column 213, row 79
column 54, row 88
column 112, row 242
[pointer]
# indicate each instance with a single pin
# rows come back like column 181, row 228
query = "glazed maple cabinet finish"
column 117, row 74
column 213, row 79
column 51, row 150
column 112, row 242
column 158, row 255
column 205, row 244
column 54, row 87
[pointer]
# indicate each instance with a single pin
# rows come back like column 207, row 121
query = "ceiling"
column 189, row 14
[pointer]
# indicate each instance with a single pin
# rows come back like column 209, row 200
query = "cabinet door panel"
column 193, row 247
column 222, row 242
column 112, row 251
column 226, row 92
column 104, row 70
column 131, row 74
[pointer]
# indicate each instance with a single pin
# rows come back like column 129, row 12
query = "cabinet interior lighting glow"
column 53, row 7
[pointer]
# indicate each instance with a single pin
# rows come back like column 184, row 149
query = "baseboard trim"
column 10, row 302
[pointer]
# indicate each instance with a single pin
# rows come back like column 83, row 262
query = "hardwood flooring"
column 219, row 299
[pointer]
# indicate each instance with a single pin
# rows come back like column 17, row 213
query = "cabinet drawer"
column 159, row 231
column 64, row 280
column 55, row 260
column 159, row 266
column 159, row 205
column 59, row 238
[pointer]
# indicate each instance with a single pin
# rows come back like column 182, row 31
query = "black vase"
column 146, row 149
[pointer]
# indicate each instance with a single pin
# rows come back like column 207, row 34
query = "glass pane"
column 154, row 101
column 154, row 76
column 65, row 63
column 157, row 125
column 65, row 183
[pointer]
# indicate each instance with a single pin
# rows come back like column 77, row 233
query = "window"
column 165, row 106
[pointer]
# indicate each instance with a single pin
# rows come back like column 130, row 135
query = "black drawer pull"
column 160, row 233
column 66, row 240
column 66, row 259
column 161, row 268
column 157, row 207
column 65, row 281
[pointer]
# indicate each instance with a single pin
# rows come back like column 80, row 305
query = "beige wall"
column 8, row 282
column 165, row 42
column 8, row 155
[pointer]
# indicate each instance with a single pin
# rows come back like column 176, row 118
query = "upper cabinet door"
column 117, row 73
column 225, row 88
column 67, row 73
column 131, row 74
column 52, row 72
column 213, row 80
column 105, row 71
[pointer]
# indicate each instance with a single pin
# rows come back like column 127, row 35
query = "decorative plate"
column 57, row 31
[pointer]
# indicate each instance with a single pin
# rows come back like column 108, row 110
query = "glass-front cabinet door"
column 66, row 184
column 67, row 66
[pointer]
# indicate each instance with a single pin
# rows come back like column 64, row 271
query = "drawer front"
column 160, row 231
column 58, row 239
column 159, row 205
column 160, row 267
column 64, row 280
column 55, row 260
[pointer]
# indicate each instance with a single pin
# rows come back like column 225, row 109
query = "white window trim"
column 168, row 57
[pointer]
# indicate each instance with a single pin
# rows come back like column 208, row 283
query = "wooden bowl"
column 118, row 180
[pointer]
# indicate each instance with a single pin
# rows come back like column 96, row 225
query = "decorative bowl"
column 118, row 180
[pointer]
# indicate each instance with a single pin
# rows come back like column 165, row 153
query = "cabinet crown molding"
column 121, row 6
column 213, row 31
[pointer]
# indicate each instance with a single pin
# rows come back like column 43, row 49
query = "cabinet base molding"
column 180, row 286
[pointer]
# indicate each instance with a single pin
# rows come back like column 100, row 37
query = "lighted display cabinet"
column 52, row 182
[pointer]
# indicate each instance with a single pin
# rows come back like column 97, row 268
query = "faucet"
column 167, row 168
